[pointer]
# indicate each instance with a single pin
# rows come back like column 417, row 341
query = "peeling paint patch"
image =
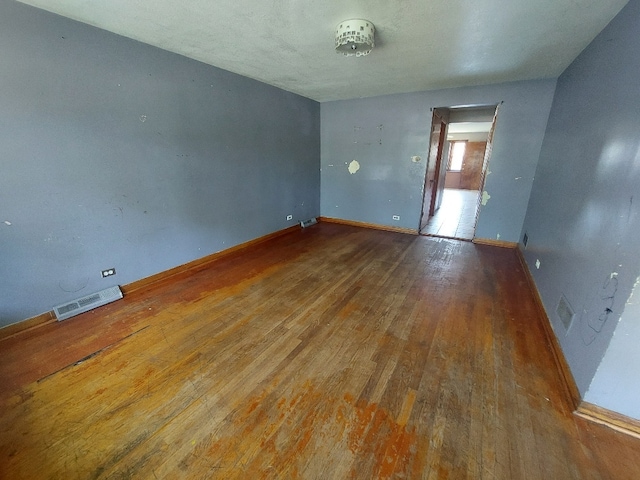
column 416, row 159
column 485, row 197
column 633, row 291
column 143, row 118
column 498, row 236
column 354, row 166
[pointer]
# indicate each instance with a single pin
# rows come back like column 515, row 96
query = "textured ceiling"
column 420, row 44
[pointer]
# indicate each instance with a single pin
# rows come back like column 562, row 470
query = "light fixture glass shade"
column 355, row 37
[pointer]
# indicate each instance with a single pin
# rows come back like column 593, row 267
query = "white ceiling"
column 471, row 131
column 469, row 127
column 420, row 44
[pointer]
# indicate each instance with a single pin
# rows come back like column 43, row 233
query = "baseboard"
column 165, row 275
column 373, row 226
column 28, row 324
column 611, row 419
column 495, row 243
column 571, row 388
column 144, row 283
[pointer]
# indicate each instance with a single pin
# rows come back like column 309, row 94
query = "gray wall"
column 583, row 221
column 616, row 385
column 117, row 154
column 383, row 133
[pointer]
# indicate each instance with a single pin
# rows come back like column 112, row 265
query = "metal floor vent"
column 565, row 312
column 87, row 303
column 308, row 223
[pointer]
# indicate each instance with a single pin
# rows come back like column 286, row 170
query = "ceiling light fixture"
column 355, row 37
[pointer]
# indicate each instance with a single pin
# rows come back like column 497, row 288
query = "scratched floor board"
column 333, row 352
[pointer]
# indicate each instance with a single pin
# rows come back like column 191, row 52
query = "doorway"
column 459, row 152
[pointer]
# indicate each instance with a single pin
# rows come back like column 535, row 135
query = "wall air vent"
column 565, row 312
column 87, row 303
column 308, row 223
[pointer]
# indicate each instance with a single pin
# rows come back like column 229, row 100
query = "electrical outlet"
column 289, row 217
column 108, row 272
column 396, row 217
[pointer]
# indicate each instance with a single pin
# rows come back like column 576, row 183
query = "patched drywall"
column 354, row 166
column 119, row 155
column 583, row 220
column 387, row 135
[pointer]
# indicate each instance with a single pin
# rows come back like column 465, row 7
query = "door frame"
column 439, row 121
column 432, row 184
column 485, row 166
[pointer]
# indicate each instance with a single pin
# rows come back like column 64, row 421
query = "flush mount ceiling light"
column 355, row 37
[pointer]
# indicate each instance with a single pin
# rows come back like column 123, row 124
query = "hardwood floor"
column 334, row 352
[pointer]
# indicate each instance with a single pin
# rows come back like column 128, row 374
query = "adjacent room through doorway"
column 453, row 189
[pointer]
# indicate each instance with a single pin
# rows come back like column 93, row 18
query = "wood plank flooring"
column 330, row 353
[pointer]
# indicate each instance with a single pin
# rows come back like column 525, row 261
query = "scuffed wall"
column 115, row 154
column 583, row 220
column 388, row 137
column 615, row 386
